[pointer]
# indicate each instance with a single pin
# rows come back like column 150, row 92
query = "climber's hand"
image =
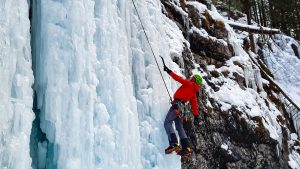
column 167, row 69
column 198, row 121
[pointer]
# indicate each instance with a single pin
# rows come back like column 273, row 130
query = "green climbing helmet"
column 198, row 79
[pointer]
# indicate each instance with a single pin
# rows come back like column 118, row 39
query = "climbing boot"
column 174, row 147
column 185, row 152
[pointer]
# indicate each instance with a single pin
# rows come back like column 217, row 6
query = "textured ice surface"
column 16, row 78
column 101, row 98
column 285, row 65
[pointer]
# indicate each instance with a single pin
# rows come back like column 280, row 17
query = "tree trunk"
column 260, row 13
column 253, row 30
column 255, row 14
column 248, row 12
column 263, row 11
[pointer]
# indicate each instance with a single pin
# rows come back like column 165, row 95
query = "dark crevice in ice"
column 38, row 139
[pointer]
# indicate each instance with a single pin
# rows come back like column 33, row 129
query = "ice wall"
column 101, row 98
column 16, row 78
column 284, row 64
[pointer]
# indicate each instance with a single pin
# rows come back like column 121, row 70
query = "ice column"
column 65, row 81
column 101, row 97
column 16, row 78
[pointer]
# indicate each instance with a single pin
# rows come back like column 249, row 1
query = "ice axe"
column 164, row 81
column 162, row 60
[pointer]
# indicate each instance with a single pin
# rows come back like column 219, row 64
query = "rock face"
column 218, row 48
column 229, row 139
column 212, row 48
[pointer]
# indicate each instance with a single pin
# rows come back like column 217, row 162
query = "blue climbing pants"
column 168, row 124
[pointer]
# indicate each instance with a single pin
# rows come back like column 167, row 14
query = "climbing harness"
column 181, row 109
column 151, row 49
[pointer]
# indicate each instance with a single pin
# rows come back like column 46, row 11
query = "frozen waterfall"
column 16, row 78
column 101, row 100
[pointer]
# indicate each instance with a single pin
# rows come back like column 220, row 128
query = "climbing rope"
column 151, row 49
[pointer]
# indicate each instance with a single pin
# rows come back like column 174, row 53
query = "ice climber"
column 186, row 92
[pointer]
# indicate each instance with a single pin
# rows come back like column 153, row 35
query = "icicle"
column 247, row 76
column 258, row 79
column 252, row 80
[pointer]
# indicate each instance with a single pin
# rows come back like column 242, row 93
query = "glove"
column 198, row 121
column 167, row 69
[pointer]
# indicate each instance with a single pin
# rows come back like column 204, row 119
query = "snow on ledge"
column 250, row 26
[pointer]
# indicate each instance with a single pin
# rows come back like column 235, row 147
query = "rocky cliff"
column 246, row 124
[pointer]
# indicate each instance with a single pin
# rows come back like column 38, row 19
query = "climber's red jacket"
column 187, row 92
